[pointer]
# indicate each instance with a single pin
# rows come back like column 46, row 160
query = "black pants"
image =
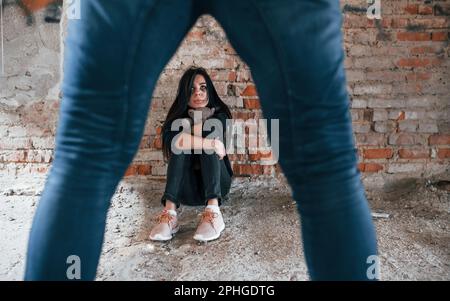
column 193, row 179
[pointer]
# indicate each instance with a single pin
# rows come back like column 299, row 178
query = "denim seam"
column 279, row 53
column 138, row 30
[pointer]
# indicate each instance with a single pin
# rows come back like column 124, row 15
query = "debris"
column 380, row 215
column 149, row 248
column 9, row 192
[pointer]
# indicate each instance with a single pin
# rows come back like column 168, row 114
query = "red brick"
column 247, row 169
column 144, row 169
column 399, row 22
column 386, row 22
column 131, row 171
column 237, row 157
column 243, row 115
column 370, row 167
column 260, row 156
column 439, row 139
column 157, row 142
column 405, row 153
column 138, row 169
column 444, row 153
column 414, row 36
column 252, row 103
column 425, row 10
column 414, row 62
column 36, row 5
column 232, row 76
column 422, row 50
column 378, row 153
column 434, row 22
column 439, row 36
column 195, row 35
column 418, row 76
column 250, row 90
column 361, row 167
column 412, row 9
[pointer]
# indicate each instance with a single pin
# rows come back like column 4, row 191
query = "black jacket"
column 168, row 134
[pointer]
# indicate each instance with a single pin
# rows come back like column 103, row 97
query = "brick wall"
column 29, row 99
column 397, row 71
column 398, row 78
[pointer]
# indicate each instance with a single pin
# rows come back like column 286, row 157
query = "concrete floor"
column 262, row 240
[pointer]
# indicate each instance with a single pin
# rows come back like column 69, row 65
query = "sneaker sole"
column 174, row 230
column 211, row 238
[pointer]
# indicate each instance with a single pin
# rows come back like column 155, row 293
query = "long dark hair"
column 180, row 105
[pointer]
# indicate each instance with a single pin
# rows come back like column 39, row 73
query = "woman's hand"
column 219, row 148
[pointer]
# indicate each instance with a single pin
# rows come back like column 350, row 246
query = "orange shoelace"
column 209, row 216
column 164, row 217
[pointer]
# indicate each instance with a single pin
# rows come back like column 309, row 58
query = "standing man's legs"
column 294, row 49
column 113, row 57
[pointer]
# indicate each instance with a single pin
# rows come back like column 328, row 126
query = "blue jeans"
column 113, row 58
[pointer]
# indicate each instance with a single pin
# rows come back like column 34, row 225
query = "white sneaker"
column 166, row 227
column 210, row 227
